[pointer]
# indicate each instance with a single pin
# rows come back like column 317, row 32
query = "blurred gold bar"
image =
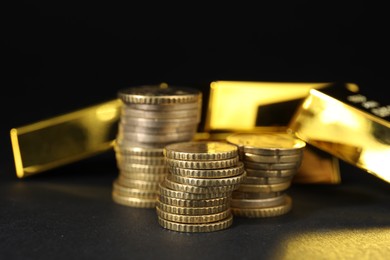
column 63, row 139
column 239, row 105
column 248, row 106
column 347, row 124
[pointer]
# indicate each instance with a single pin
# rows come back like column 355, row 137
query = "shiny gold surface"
column 64, row 139
column 342, row 127
column 234, row 105
column 372, row 243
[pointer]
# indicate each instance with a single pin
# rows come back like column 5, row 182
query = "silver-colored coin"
column 271, row 173
column 159, row 94
column 264, row 187
column 138, row 184
column 272, row 166
column 267, row 143
column 126, row 143
column 134, row 159
column 137, row 151
column 133, row 192
column 257, row 158
column 157, row 130
column 258, row 203
column 128, row 112
column 158, row 138
column 255, row 195
column 159, row 122
column 265, row 180
column 143, row 176
column 142, row 168
column 201, row 150
column 133, row 201
column 279, row 210
column 166, row 107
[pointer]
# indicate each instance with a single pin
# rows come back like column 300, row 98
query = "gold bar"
column 347, row 124
column 63, row 139
column 239, row 105
column 242, row 106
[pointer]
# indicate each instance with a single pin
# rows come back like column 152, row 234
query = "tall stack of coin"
column 271, row 161
column 152, row 116
column 195, row 195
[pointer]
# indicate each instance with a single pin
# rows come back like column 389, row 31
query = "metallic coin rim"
column 196, row 228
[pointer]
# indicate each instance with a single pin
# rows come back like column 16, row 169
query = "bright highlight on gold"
column 233, row 105
column 346, row 131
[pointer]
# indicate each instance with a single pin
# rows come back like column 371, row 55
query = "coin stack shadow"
column 152, row 116
column 271, row 161
column 195, row 195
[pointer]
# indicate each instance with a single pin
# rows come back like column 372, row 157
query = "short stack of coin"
column 152, row 116
column 195, row 195
column 271, row 161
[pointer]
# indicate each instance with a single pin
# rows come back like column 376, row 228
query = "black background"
column 65, row 55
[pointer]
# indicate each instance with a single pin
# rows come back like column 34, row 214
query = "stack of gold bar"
column 152, row 116
column 195, row 195
column 271, row 161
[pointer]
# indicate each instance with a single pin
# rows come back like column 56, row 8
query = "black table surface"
column 65, row 57
column 68, row 213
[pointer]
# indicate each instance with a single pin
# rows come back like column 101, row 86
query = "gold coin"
column 195, row 219
column 191, row 210
column 209, row 173
column 264, row 212
column 166, row 191
column 267, row 143
column 205, row 164
column 197, row 189
column 203, row 182
column 197, row 227
column 201, row 150
column 192, row 202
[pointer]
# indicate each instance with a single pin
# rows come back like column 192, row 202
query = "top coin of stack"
column 152, row 116
column 271, row 161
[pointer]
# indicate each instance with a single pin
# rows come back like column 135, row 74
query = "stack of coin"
column 271, row 161
column 195, row 195
column 152, row 116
